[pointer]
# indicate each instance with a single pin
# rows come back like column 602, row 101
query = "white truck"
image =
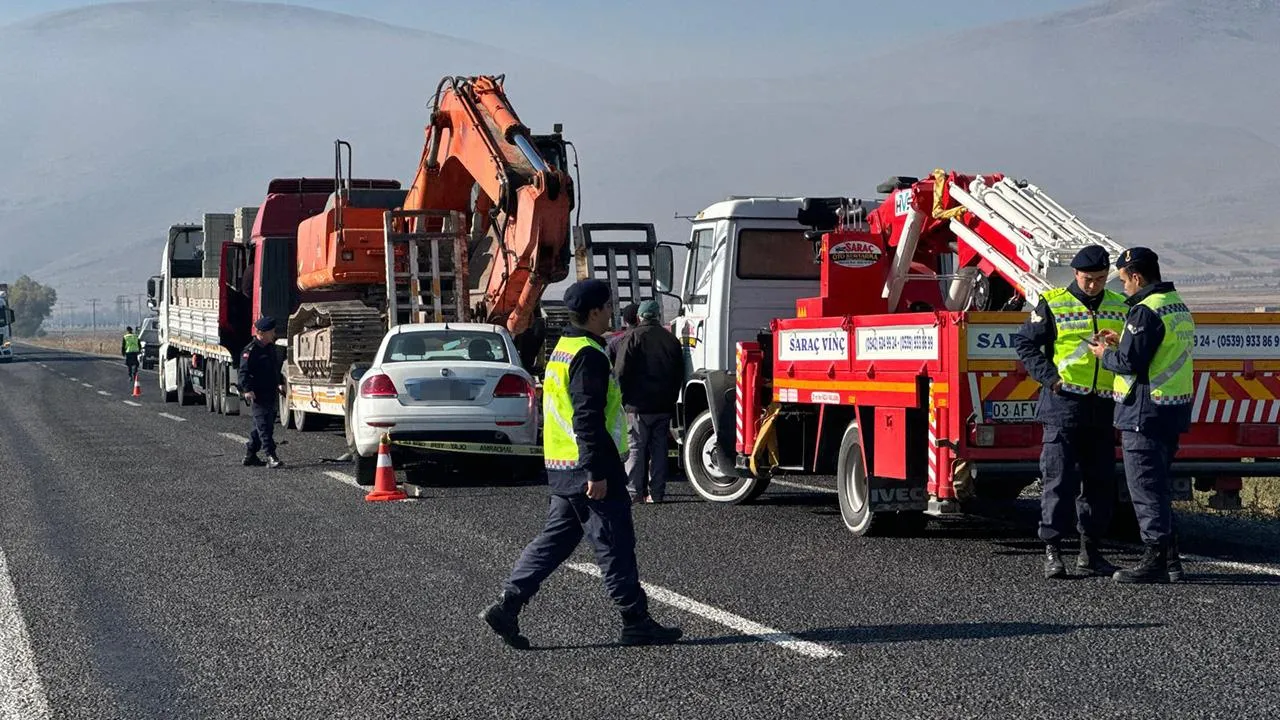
column 6, row 325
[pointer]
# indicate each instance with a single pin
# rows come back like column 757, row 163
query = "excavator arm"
column 481, row 160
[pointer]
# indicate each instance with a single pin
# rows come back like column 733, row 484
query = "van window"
column 776, row 255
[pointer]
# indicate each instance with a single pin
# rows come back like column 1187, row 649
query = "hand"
column 597, row 489
column 280, row 389
column 248, row 396
column 1057, row 387
column 1109, row 337
column 1098, row 349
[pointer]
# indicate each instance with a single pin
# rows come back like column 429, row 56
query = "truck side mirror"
column 663, row 268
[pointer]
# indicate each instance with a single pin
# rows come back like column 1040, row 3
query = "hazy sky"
column 630, row 39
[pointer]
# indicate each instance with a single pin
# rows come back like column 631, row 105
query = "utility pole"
column 93, row 305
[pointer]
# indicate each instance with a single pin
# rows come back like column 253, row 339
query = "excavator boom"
column 481, row 160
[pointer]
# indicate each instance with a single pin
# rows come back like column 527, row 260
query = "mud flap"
column 892, row 495
column 721, row 394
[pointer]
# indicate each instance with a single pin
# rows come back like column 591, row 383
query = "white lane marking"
column 344, row 478
column 723, row 617
column 234, row 437
column 802, row 486
column 1233, row 565
column 130, row 402
column 75, row 379
column 104, row 392
column 174, row 418
column 21, row 692
column 86, row 385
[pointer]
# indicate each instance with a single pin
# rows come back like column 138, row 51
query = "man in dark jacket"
column 260, row 383
column 583, row 441
column 1077, row 457
column 1154, row 391
column 650, row 369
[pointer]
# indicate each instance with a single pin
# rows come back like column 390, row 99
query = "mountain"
column 1156, row 120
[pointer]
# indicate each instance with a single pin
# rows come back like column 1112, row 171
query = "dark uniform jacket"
column 589, row 375
column 1034, row 343
column 260, row 372
column 650, row 369
column 1144, row 331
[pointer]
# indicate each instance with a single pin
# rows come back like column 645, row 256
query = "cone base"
column 386, row 495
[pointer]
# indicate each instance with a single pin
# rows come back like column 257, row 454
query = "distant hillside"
column 1157, row 120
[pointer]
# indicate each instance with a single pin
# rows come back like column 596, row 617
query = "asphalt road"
column 150, row 575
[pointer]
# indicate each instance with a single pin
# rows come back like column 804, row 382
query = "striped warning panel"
column 1006, row 386
column 1224, row 397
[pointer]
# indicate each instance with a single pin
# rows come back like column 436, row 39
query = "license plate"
column 444, row 390
column 1011, row 410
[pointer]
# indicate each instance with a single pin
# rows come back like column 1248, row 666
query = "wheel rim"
column 707, row 454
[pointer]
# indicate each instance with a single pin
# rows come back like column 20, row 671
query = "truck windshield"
column 448, row 345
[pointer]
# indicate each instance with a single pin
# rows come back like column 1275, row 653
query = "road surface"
column 144, row 573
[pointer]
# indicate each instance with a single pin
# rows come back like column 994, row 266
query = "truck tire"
column 210, row 385
column 705, row 477
column 185, row 394
column 283, row 413
column 306, row 421
column 853, row 486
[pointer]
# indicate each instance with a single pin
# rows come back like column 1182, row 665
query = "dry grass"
column 101, row 344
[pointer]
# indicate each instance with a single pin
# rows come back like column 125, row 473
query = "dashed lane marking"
column 21, row 691
column 132, row 403
column 104, row 392
column 344, row 478
column 723, row 617
column 75, row 379
column 802, row 486
column 234, row 437
column 88, row 385
column 174, row 418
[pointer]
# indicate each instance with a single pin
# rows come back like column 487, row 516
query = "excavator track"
column 325, row 339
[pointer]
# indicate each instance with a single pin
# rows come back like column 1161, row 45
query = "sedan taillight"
column 378, row 386
column 513, row 386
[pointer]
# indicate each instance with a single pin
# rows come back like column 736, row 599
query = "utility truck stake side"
column 899, row 376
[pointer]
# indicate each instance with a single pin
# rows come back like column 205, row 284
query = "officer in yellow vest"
column 1154, row 390
column 584, row 441
column 1078, row 455
column 129, row 348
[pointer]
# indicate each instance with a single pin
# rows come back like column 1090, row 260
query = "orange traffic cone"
column 137, row 389
column 384, row 480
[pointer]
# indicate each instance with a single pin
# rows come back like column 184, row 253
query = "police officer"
column 260, row 381
column 1077, row 457
column 1154, row 389
column 129, row 348
column 584, row 440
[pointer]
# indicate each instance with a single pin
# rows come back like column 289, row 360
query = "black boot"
column 1152, row 568
column 251, row 459
column 1090, row 560
column 503, row 618
column 647, row 631
column 1174, row 562
column 1053, row 565
column 273, row 461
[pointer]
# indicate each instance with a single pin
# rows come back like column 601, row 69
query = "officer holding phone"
column 1077, row 458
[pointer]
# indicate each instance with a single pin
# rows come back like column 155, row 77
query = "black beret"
column 265, row 323
column 1136, row 255
column 1091, row 258
column 586, row 295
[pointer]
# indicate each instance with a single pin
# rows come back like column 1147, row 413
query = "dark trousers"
column 1077, row 467
column 1148, row 460
column 608, row 527
column 647, row 459
column 264, row 425
column 131, row 362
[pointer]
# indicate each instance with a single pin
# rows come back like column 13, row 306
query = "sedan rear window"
column 452, row 345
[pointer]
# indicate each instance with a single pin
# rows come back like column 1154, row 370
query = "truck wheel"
column 706, row 478
column 306, row 421
column 210, row 383
column 283, row 413
column 184, row 387
column 852, row 485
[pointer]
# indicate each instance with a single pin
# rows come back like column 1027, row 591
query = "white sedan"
column 453, row 382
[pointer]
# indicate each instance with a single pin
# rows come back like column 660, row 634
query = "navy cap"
column 586, row 295
column 265, row 323
column 1136, row 255
column 1091, row 258
column 650, row 309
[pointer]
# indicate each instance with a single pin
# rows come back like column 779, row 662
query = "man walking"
column 1154, row 389
column 650, row 369
column 129, row 348
column 1077, row 457
column 260, row 383
column 584, row 439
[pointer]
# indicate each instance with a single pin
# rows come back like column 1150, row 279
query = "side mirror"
column 663, row 268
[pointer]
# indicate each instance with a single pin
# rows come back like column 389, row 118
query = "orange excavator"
column 512, row 193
